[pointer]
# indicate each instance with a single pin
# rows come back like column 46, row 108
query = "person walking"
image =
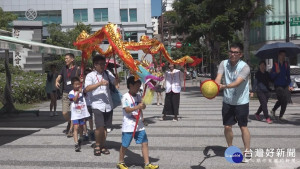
column 159, row 88
column 235, row 107
column 79, row 111
column 132, row 104
column 173, row 79
column 97, row 82
column 262, row 89
column 69, row 71
column 51, row 89
column 280, row 74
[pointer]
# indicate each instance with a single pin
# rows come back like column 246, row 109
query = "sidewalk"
column 196, row 141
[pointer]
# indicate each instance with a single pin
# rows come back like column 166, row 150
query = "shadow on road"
column 18, row 123
column 131, row 158
column 294, row 121
column 210, row 152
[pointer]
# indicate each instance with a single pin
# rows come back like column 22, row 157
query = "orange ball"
column 209, row 89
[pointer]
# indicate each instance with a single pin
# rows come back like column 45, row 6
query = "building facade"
column 273, row 27
column 167, row 5
column 132, row 16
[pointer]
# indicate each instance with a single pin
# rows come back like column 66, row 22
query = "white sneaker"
column 51, row 114
column 55, row 114
column 108, row 130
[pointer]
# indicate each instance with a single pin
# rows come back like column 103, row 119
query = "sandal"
column 70, row 134
column 97, row 150
column 105, row 151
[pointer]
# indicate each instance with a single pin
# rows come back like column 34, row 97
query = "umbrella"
column 269, row 51
column 111, row 63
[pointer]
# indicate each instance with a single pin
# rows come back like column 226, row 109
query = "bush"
column 27, row 87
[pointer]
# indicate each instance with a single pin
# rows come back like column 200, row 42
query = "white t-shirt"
column 100, row 97
column 128, row 118
column 78, row 110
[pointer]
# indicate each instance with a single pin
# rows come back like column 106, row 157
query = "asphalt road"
column 296, row 98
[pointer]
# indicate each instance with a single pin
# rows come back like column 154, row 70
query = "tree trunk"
column 247, row 25
column 246, row 40
column 8, row 107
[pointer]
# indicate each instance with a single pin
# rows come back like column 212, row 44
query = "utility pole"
column 287, row 21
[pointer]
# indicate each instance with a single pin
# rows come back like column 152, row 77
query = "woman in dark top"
column 51, row 89
column 262, row 89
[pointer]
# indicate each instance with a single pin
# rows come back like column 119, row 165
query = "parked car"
column 295, row 77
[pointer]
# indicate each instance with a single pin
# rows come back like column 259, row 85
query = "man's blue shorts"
column 79, row 122
column 140, row 137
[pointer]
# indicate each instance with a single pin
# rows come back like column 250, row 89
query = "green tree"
column 249, row 11
column 5, row 19
column 217, row 21
column 6, row 98
column 212, row 19
column 65, row 39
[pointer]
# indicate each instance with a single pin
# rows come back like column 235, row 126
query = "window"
column 100, row 14
column 47, row 17
column 80, row 15
column 132, row 15
column 124, row 15
column 131, row 36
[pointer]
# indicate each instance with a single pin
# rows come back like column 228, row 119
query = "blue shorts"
column 79, row 121
column 140, row 137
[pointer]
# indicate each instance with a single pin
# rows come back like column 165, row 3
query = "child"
column 131, row 103
column 78, row 111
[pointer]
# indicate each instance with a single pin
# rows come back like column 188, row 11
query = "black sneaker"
column 80, row 142
column 77, row 147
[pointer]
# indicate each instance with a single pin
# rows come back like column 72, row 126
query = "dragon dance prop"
column 89, row 43
column 110, row 32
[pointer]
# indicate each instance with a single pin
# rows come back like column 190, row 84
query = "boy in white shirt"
column 131, row 103
column 78, row 111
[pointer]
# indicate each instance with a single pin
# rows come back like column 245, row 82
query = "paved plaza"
column 196, row 141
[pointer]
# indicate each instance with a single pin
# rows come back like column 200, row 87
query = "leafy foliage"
column 65, row 39
column 27, row 87
column 215, row 20
column 5, row 19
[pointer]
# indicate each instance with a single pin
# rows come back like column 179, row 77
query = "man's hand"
column 57, row 85
column 291, row 89
column 81, row 79
column 251, row 94
column 222, row 87
column 103, row 83
column 57, row 80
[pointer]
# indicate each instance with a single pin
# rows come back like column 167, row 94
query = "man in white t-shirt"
column 97, row 82
column 132, row 104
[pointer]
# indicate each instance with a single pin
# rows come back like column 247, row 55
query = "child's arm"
column 139, row 106
column 75, row 99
